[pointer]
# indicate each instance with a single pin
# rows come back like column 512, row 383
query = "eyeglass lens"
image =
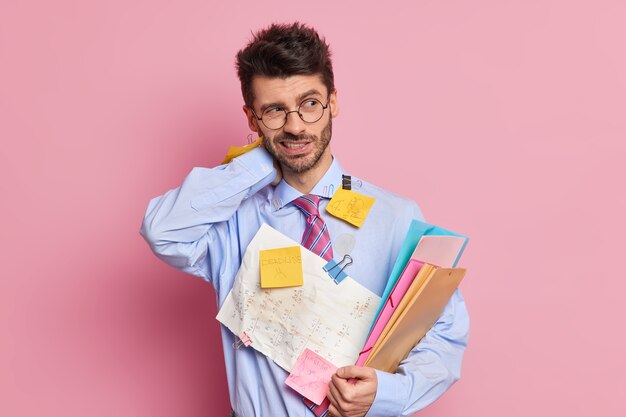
column 310, row 111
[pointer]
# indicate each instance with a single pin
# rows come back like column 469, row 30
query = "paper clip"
column 242, row 340
column 346, row 182
column 339, row 275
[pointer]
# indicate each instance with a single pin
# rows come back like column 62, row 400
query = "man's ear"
column 252, row 120
column 334, row 104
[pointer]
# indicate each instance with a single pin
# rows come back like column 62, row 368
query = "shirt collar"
column 325, row 187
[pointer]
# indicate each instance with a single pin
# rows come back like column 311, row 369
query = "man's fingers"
column 336, row 391
column 279, row 173
column 337, row 403
column 358, row 372
column 352, row 391
column 278, row 177
column 333, row 412
column 333, row 396
column 344, row 391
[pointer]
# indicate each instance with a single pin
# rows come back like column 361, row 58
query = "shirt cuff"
column 391, row 395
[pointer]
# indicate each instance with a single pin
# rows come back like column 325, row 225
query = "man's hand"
column 279, row 171
column 352, row 391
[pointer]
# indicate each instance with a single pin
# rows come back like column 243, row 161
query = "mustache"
column 291, row 136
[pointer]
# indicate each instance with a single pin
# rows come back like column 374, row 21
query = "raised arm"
column 188, row 227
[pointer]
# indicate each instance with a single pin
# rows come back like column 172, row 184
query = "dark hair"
column 283, row 50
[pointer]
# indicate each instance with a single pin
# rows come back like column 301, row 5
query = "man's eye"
column 310, row 106
column 271, row 110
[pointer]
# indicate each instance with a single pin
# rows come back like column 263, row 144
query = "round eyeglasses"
column 275, row 117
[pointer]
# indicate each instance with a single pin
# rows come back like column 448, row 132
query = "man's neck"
column 306, row 181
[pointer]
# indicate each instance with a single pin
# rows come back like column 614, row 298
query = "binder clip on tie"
column 338, row 275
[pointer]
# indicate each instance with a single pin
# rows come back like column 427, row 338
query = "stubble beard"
column 301, row 163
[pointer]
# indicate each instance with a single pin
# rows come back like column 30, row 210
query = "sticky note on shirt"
column 350, row 206
column 281, row 267
column 235, row 151
column 310, row 376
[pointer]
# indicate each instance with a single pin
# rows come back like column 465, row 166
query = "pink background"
column 505, row 120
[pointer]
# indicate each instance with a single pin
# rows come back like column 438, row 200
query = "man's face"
column 298, row 146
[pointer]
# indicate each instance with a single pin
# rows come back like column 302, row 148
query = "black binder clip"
column 346, row 182
column 338, row 275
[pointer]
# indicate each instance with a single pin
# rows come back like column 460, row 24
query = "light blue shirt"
column 204, row 227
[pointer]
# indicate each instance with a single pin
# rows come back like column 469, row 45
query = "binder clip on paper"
column 242, row 340
column 338, row 275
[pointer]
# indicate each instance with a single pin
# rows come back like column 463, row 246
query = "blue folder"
column 413, row 236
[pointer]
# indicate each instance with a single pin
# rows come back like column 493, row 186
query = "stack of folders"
column 415, row 298
column 421, row 283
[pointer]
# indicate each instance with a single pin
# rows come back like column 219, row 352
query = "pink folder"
column 398, row 291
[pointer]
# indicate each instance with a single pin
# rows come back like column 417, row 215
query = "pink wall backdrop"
column 505, row 120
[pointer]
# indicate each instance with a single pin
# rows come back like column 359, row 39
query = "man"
column 204, row 227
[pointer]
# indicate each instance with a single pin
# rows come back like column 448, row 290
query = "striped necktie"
column 316, row 237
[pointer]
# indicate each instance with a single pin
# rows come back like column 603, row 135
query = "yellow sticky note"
column 281, row 267
column 235, row 151
column 350, row 206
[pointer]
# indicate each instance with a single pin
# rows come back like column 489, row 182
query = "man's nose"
column 294, row 124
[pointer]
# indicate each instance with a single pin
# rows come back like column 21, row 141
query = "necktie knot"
column 309, row 204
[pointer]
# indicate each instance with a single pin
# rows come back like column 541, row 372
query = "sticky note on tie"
column 281, row 267
column 310, row 376
column 235, row 151
column 350, row 206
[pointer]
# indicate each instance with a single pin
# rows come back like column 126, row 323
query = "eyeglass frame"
column 324, row 107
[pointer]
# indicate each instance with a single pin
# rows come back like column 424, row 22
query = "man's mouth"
column 292, row 145
column 295, row 148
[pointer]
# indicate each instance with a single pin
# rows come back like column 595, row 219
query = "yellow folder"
column 421, row 309
column 423, row 274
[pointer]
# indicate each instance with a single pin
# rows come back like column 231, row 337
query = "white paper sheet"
column 330, row 319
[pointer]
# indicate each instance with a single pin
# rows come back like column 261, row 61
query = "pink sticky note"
column 310, row 376
column 440, row 251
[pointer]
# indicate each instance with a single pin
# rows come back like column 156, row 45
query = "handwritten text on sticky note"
column 310, row 376
column 281, row 267
column 350, row 206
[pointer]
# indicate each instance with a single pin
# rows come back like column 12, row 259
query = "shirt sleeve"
column 432, row 366
column 189, row 227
